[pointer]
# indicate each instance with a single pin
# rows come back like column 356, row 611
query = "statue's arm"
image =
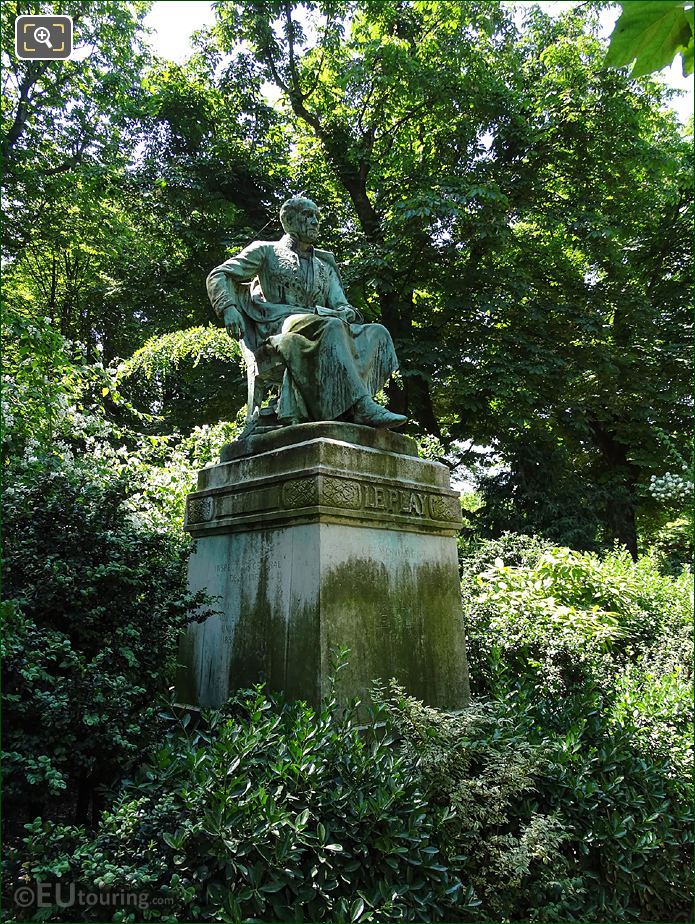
column 337, row 299
column 223, row 285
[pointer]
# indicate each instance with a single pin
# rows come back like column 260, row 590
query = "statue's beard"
column 305, row 235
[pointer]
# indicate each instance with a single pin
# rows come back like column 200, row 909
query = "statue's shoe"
column 370, row 414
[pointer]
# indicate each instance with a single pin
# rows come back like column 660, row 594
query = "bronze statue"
column 284, row 299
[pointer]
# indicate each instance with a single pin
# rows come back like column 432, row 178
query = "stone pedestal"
column 318, row 536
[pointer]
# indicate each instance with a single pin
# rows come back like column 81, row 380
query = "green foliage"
column 273, row 811
column 163, row 355
column 561, row 619
column 266, row 811
column 484, row 769
column 577, row 824
column 518, row 215
column 431, row 448
column 41, row 375
column 57, row 405
column 516, row 550
column 513, row 211
column 541, row 492
column 94, row 571
column 651, row 35
column 596, row 655
column 672, row 545
column 67, row 126
column 95, row 602
column 191, row 377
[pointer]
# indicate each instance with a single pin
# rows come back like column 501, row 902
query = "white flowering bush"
column 674, row 488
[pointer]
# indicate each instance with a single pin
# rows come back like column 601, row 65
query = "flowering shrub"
column 672, row 488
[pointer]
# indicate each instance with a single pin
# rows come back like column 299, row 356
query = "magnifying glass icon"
column 43, row 35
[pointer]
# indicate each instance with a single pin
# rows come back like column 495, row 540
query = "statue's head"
column 300, row 218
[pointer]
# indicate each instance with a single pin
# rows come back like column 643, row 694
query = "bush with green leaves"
column 270, row 811
column 56, row 404
column 594, row 656
column 266, row 811
column 671, row 545
column 94, row 602
column 484, row 769
column 579, row 824
column 558, row 620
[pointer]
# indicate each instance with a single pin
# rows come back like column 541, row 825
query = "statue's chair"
column 264, row 372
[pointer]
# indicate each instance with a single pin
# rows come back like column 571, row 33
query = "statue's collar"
column 290, row 243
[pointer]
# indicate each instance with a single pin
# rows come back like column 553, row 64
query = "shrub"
column 264, row 811
column 516, row 549
column 94, row 605
column 559, row 620
column 573, row 826
column 593, row 656
column 672, row 546
column 270, row 811
column 483, row 768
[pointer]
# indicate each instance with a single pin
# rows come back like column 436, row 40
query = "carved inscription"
column 405, row 623
column 199, row 509
column 343, row 493
column 394, row 500
column 410, row 503
column 227, row 636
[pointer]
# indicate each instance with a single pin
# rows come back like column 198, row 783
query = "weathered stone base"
column 313, row 543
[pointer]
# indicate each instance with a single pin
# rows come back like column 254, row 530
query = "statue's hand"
column 346, row 313
column 349, row 314
column 234, row 323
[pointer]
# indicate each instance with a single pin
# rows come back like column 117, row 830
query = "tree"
column 386, row 97
column 502, row 189
column 586, row 307
column 64, row 118
column 511, row 209
column 126, row 179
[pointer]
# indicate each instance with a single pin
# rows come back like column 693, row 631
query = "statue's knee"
column 378, row 330
column 335, row 325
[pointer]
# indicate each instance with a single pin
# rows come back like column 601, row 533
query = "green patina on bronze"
column 285, row 300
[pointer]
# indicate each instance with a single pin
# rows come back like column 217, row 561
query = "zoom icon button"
column 43, row 38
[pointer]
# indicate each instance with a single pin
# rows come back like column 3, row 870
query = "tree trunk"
column 619, row 511
column 620, row 520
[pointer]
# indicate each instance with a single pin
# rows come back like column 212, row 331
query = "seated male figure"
column 287, row 297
